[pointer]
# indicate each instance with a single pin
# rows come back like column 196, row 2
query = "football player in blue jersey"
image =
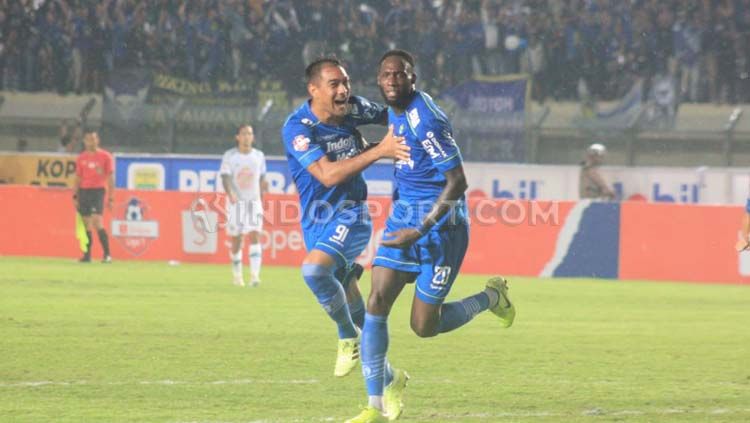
column 425, row 239
column 326, row 155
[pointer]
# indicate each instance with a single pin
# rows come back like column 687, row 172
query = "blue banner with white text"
column 489, row 118
column 199, row 173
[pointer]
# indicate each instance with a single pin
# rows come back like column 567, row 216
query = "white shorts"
column 244, row 217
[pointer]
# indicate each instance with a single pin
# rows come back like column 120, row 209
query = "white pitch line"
column 166, row 382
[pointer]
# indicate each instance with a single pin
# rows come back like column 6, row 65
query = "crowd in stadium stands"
column 72, row 45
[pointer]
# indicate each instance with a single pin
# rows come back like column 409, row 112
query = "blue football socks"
column 374, row 348
column 330, row 295
column 458, row 313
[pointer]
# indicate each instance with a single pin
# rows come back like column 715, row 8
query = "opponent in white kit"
column 243, row 171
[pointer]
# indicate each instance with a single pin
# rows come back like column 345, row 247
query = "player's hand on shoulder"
column 402, row 238
column 393, row 146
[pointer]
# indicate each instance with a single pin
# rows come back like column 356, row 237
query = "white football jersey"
column 245, row 171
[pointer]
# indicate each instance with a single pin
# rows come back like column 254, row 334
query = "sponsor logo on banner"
column 523, row 189
column 200, row 174
column 687, row 193
column 134, row 231
column 199, row 181
column 38, row 169
column 198, row 234
column 146, row 176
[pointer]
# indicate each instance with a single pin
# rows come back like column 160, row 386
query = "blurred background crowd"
column 604, row 45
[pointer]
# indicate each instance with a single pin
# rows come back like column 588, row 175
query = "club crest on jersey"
column 301, row 143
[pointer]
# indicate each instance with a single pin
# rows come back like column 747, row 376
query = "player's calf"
column 425, row 318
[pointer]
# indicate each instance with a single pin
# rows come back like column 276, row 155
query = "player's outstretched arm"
column 333, row 173
column 455, row 186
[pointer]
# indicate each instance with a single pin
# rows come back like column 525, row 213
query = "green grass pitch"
column 148, row 342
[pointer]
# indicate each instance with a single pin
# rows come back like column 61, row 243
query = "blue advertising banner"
column 199, row 173
column 489, row 117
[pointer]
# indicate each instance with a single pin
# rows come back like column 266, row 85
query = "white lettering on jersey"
column 433, row 147
column 414, row 118
column 340, row 145
column 401, row 163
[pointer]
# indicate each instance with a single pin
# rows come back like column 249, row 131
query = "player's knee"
column 424, row 328
column 320, row 280
column 377, row 303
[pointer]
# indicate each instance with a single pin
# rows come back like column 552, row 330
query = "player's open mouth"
column 340, row 102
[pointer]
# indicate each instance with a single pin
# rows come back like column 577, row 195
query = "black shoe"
column 107, row 259
column 85, row 259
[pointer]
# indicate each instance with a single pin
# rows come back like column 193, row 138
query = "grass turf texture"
column 146, row 342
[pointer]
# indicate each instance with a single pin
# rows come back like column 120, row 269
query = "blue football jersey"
column 420, row 180
column 307, row 140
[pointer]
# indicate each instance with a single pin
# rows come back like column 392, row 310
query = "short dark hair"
column 89, row 130
column 403, row 54
column 313, row 69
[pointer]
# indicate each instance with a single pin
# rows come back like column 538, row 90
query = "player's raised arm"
column 331, row 173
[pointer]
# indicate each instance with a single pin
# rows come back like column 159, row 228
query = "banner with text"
column 138, row 99
column 200, row 174
column 49, row 170
column 489, row 118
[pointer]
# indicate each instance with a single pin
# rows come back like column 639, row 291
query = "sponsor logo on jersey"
column 340, row 145
column 433, row 147
column 414, row 118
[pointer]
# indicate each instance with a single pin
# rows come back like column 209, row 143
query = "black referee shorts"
column 90, row 201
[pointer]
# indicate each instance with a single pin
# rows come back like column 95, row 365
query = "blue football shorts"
column 344, row 236
column 435, row 258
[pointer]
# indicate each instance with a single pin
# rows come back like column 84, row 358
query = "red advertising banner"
column 632, row 240
column 682, row 243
